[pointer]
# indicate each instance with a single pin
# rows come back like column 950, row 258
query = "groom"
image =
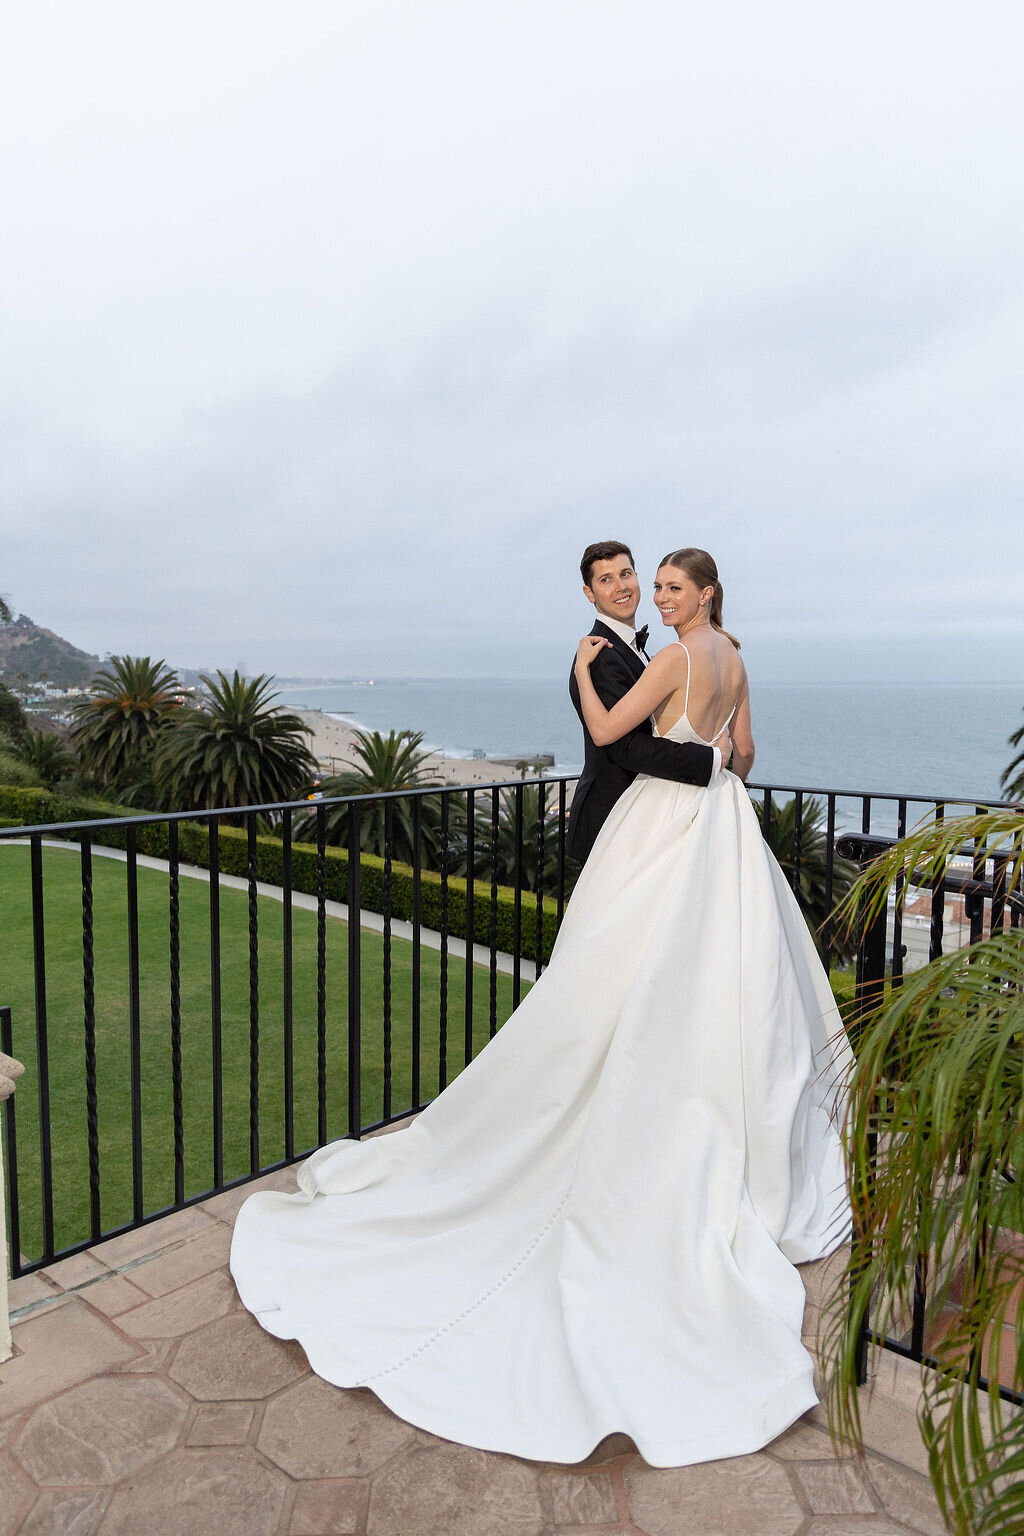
column 610, row 583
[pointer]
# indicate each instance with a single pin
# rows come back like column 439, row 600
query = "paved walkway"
column 143, row 1401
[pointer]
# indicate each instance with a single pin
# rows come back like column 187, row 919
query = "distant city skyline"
column 333, row 335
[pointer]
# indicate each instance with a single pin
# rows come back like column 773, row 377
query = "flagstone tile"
column 65, row 1512
column 234, row 1357
column 66, row 1274
column 154, row 1237
column 225, row 1490
column 806, row 1442
column 222, row 1424
column 9, row 1427
column 458, row 1491
column 28, row 1289
column 580, row 1497
column 907, row 1497
column 113, row 1295
column 201, row 1254
column 333, row 1508
column 44, row 1303
column 315, row 1430
column 157, row 1356
column 855, row 1525
column 16, row 1496
column 226, row 1206
column 834, row 1488
column 64, row 1346
column 587, row 1530
column 101, row 1431
column 744, row 1496
column 888, row 1412
column 181, row 1311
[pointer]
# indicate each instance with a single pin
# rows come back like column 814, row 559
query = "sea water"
column 941, row 739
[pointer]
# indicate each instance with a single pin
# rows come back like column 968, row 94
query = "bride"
column 594, row 1228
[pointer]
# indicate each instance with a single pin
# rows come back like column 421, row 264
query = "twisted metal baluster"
column 442, row 1040
column 321, row 974
column 254, row 1001
column 388, row 838
column 174, row 905
column 89, row 1017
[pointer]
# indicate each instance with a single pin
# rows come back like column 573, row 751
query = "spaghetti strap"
column 689, row 669
column 686, row 698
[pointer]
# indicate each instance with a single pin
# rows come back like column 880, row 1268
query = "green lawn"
column 66, row 1035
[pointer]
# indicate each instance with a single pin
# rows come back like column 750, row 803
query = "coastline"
column 332, row 744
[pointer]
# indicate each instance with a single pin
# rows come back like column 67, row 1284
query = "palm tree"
column 45, row 753
column 1013, row 779
column 935, row 1148
column 386, row 765
column 512, row 834
column 115, row 730
column 233, row 750
column 811, row 888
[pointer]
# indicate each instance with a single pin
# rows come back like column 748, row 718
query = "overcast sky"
column 333, row 331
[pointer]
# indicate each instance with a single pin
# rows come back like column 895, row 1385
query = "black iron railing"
column 204, row 1017
column 459, row 930
column 977, row 876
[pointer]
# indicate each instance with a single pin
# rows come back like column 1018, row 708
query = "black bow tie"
column 641, row 639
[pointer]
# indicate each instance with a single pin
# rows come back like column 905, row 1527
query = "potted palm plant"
column 935, row 1147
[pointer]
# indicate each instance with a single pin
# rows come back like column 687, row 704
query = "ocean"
column 943, row 739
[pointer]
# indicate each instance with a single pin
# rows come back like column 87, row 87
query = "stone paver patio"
column 143, row 1401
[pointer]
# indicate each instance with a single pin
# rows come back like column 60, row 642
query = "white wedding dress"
column 594, row 1228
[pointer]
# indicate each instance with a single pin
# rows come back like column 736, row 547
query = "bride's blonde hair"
column 703, row 572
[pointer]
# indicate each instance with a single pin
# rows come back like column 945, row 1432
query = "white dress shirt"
column 627, row 633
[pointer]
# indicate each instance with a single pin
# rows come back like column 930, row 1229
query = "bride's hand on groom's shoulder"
column 588, row 648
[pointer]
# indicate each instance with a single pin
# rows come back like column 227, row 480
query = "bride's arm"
column 742, row 736
column 660, row 678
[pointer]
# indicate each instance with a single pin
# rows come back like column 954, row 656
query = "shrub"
column 28, row 807
column 14, row 771
column 233, row 851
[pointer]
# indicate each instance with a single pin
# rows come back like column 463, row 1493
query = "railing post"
column 864, row 848
column 10, row 1071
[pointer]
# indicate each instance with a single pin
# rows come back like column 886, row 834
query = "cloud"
column 337, row 336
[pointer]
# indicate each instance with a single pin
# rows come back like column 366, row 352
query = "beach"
column 333, row 743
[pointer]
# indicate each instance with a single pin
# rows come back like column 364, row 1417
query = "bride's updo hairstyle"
column 703, row 572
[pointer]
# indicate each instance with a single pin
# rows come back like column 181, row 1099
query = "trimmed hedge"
column 194, row 848
column 26, row 806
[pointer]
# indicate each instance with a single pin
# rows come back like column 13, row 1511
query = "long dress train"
column 594, row 1227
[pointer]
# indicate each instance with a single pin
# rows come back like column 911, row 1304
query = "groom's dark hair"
column 606, row 551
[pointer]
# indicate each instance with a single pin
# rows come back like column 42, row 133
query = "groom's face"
column 614, row 589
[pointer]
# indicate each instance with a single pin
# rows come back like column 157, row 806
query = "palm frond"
column 935, row 1143
column 114, row 730
column 234, row 750
column 1013, row 777
column 921, row 859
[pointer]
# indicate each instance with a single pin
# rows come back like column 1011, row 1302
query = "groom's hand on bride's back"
column 723, row 741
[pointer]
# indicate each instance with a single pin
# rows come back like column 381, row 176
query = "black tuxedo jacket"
column 607, row 771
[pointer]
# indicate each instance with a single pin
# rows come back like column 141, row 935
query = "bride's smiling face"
column 676, row 597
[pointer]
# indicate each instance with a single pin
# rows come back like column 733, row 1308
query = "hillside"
column 27, row 648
